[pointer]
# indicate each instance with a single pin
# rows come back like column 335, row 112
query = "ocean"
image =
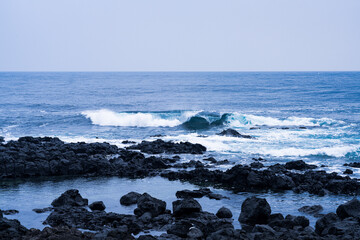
column 313, row 116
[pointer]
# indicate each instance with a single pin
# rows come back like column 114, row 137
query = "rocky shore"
column 186, row 220
column 30, row 157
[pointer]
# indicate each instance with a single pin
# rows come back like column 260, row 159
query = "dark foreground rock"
column 97, row 206
column 188, row 221
column 160, row 146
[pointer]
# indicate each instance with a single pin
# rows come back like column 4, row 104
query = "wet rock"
column 299, row 165
column 324, row 222
column 348, row 171
column 349, row 209
column 195, row 233
column 147, row 203
column 311, row 210
column 160, row 146
column 130, row 198
column 210, row 159
column 146, row 237
column 180, row 228
column 98, row 205
column 128, row 142
column 70, row 198
column 42, row 210
column 224, row 213
column 191, row 194
column 9, row 212
column 185, row 206
column 58, row 233
column 11, row 229
column 353, row 164
column 256, row 165
column 233, row 133
column 258, row 159
column 255, row 211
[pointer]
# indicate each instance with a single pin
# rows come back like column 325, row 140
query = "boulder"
column 255, row 211
column 130, row 198
column 224, row 213
column 185, row 206
column 70, row 198
column 348, row 171
column 98, row 205
column 349, row 209
column 147, row 203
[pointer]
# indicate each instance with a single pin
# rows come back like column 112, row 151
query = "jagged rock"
column 349, row 209
column 185, row 206
column 255, row 211
column 98, row 205
column 298, row 165
column 9, row 212
column 224, row 213
column 160, row 146
column 130, row 198
column 147, row 203
column 324, row 222
column 233, row 133
column 70, row 198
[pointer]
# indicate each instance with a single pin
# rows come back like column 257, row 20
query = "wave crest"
column 106, row 117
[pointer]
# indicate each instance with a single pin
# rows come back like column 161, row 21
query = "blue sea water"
column 311, row 115
column 314, row 116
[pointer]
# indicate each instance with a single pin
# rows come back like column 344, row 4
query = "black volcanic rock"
column 224, row 213
column 233, row 133
column 312, row 210
column 298, row 165
column 349, row 209
column 255, row 211
column 160, row 146
column 147, row 203
column 130, row 198
column 98, row 205
column 185, row 206
column 70, row 198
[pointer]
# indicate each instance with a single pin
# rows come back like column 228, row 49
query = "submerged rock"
column 312, row 210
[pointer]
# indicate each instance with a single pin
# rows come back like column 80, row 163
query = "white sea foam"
column 240, row 120
column 105, row 117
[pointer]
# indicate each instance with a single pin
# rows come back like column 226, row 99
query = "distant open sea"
column 313, row 116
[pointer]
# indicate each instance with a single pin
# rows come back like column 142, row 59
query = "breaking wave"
column 197, row 120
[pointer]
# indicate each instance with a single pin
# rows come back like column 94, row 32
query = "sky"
column 180, row 35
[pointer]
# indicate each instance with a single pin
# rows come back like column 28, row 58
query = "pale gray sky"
column 179, row 35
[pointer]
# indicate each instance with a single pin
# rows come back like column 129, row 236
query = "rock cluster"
column 187, row 220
